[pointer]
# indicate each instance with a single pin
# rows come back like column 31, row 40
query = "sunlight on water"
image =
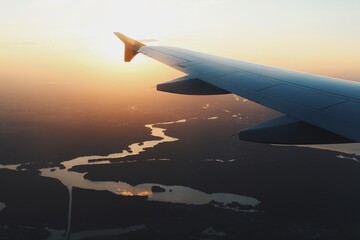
column 10, row 167
column 59, row 234
column 174, row 194
column 352, row 148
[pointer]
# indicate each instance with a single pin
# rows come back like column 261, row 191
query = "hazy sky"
column 69, row 42
column 60, row 62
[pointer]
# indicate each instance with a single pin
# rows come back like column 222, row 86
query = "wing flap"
column 190, row 86
column 286, row 130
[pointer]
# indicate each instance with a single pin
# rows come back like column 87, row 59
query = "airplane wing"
column 317, row 109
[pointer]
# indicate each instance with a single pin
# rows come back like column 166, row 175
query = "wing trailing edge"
column 286, row 130
column 190, row 86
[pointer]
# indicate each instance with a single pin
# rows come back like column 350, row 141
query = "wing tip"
column 131, row 46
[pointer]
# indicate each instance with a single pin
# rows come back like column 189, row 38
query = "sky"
column 66, row 49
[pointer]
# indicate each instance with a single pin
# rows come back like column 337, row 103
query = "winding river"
column 174, row 194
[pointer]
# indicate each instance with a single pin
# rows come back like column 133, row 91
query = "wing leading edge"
column 318, row 109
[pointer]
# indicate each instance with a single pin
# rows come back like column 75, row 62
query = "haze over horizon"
column 67, row 42
column 91, row 150
column 61, row 62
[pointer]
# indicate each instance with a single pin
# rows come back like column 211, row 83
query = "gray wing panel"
column 327, row 103
column 166, row 58
column 304, row 96
column 348, row 110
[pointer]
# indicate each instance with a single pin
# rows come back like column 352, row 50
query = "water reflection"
column 174, row 194
column 59, row 234
column 349, row 148
column 10, row 167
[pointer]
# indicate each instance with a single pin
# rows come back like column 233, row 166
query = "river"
column 174, row 194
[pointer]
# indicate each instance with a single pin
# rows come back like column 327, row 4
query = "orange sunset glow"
column 66, row 42
column 92, row 147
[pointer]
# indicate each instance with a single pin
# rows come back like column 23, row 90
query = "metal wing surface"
column 317, row 109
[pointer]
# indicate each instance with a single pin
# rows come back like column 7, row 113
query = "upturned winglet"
column 131, row 46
